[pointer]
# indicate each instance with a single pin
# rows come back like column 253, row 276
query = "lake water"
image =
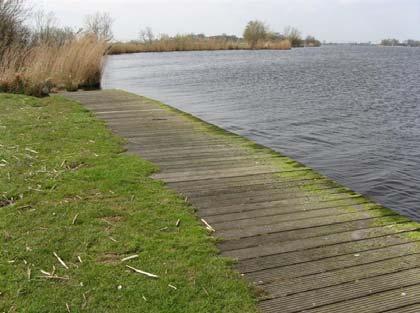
column 353, row 113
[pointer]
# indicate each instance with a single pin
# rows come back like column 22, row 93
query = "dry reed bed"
column 188, row 44
column 38, row 70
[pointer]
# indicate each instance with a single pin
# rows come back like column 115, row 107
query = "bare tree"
column 12, row 29
column 294, row 36
column 100, row 25
column 146, row 35
column 44, row 23
column 46, row 30
column 255, row 31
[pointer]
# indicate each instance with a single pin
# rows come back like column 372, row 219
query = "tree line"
column 392, row 42
column 257, row 35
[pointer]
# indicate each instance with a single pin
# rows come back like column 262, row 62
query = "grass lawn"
column 67, row 192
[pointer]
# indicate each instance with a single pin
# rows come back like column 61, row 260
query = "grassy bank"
column 185, row 43
column 65, row 188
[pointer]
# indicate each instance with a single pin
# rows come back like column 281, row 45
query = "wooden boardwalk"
column 308, row 243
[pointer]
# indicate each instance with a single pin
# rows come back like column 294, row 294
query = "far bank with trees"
column 392, row 42
column 257, row 35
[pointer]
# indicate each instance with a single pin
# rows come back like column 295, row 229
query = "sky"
column 328, row 20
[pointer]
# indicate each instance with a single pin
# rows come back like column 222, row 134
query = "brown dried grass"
column 38, row 70
column 185, row 43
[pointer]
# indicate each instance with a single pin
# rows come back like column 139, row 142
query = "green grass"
column 58, row 162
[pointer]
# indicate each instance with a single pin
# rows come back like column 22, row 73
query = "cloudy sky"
column 330, row 20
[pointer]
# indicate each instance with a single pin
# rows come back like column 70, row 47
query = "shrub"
column 311, row 41
column 255, row 32
column 12, row 28
column 294, row 36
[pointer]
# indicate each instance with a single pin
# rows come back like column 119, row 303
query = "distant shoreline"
column 129, row 48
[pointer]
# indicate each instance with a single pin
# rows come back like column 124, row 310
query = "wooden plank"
column 277, row 268
column 343, row 292
column 270, row 194
column 273, row 184
column 293, row 212
column 319, row 241
column 414, row 308
column 286, row 205
column 317, row 275
column 374, row 303
column 290, row 225
column 273, row 251
column 325, row 214
column 200, row 175
column 326, row 230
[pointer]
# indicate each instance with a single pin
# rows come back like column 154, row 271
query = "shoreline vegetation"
column 257, row 36
column 38, row 57
column 45, row 68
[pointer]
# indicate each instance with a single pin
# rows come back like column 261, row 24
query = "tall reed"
column 37, row 70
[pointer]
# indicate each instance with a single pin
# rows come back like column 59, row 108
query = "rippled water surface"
column 353, row 113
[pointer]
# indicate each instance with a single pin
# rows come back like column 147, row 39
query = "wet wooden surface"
column 309, row 244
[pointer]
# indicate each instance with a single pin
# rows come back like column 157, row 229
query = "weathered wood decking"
column 309, row 243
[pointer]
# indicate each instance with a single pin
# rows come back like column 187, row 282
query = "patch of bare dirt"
column 109, row 258
column 112, row 219
column 5, row 202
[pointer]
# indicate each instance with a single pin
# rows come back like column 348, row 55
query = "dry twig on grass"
column 208, row 226
column 113, row 239
column 45, row 273
column 142, row 272
column 130, row 257
column 61, row 261
column 84, row 301
column 52, row 276
column 75, row 218
column 31, row 150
